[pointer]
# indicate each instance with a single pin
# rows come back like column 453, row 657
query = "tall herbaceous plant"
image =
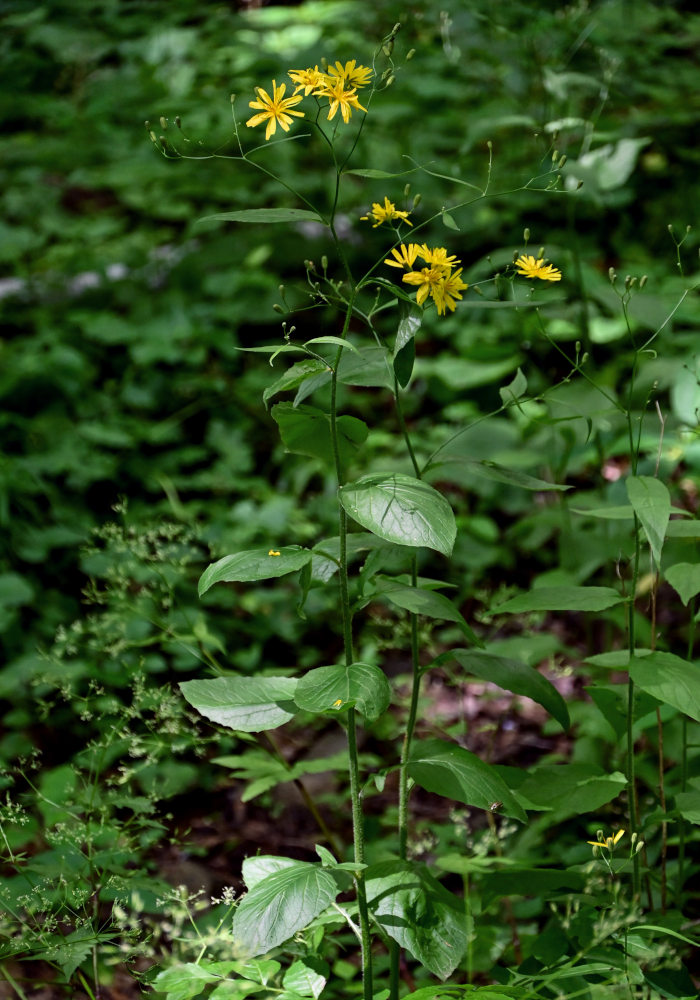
column 387, row 521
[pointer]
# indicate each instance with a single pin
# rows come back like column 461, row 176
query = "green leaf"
column 562, row 599
column 419, row 913
column 254, row 564
column 410, row 320
column 515, row 676
column 569, row 789
column 305, row 977
column 453, row 772
column 500, row 474
column 449, row 222
column 652, row 504
column 248, row 704
column 428, row 603
column 294, row 376
column 280, row 905
column 371, row 368
column 512, row 392
column 266, row 215
column 401, row 509
column 183, row 982
column 306, row 430
column 377, row 175
column 688, row 804
column 360, row 685
column 335, row 341
column 685, row 579
column 669, row 678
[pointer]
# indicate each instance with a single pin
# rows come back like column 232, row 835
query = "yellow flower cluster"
column 440, row 278
column 338, row 84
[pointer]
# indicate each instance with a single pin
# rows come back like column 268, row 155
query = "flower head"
column 444, row 295
column 438, row 256
column 274, row 110
column 340, row 96
column 528, row 267
column 405, row 256
column 609, row 843
column 429, row 280
column 385, row 213
column 350, row 73
column 307, row 79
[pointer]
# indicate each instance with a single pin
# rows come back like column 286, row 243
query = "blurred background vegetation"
column 120, row 379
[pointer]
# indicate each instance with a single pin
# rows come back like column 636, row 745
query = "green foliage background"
column 121, row 315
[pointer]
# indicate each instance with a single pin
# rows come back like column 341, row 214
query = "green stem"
column 631, row 771
column 404, row 790
column 346, row 614
column 13, row 983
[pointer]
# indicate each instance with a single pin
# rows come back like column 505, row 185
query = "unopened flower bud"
column 309, row 265
column 278, row 308
column 540, row 253
column 153, row 136
column 163, row 122
column 147, row 125
column 526, row 235
column 628, row 281
column 233, row 98
column 670, row 228
column 584, row 357
column 687, row 229
column 599, row 835
column 489, row 144
column 410, row 54
column 178, row 121
column 477, row 290
column 407, row 190
column 577, row 347
column 612, row 275
column 390, row 80
column 280, row 289
column 639, row 846
column 324, row 262
column 562, row 161
column 555, row 155
column 388, row 48
column 417, row 198
column 162, row 140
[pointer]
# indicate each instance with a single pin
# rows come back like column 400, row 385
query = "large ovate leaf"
column 249, row 704
column 370, row 367
column 669, row 678
column 337, row 688
column 685, row 579
column 569, row 789
column 455, row 773
column 652, row 505
column 265, row 215
column 280, row 905
column 306, row 977
column 306, row 430
column 428, row 603
column 401, row 509
column 419, row 913
column 515, row 676
column 254, row 564
column 562, row 599
column 497, row 473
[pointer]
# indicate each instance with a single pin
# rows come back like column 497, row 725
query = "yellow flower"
column 447, row 291
column 609, row 843
column 274, row 109
column 307, row 79
column 272, row 552
column 339, row 97
column 528, row 267
column 428, row 279
column 385, row 213
column 354, row 76
column 405, row 255
column 438, row 257
column 338, row 703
